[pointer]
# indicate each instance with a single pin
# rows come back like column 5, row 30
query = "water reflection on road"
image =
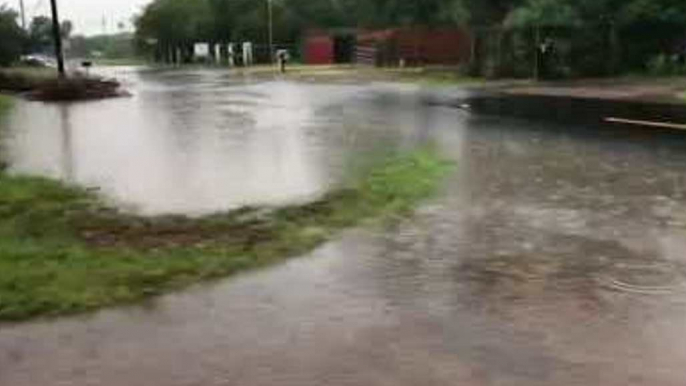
column 554, row 256
column 200, row 141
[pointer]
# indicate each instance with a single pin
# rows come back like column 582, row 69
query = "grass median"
column 5, row 103
column 62, row 251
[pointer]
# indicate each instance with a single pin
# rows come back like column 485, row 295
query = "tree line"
column 619, row 33
column 605, row 36
column 38, row 39
column 175, row 21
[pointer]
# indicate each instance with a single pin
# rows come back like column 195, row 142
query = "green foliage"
column 589, row 12
column 62, row 252
column 225, row 15
column 40, row 32
column 544, row 13
column 401, row 181
column 174, row 21
column 23, row 79
column 40, row 36
column 666, row 65
column 487, row 12
column 117, row 46
column 224, row 20
column 5, row 103
column 11, row 37
column 603, row 36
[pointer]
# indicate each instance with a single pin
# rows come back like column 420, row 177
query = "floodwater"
column 196, row 142
column 553, row 256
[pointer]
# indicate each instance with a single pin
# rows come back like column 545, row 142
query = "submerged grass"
column 21, row 79
column 427, row 76
column 62, row 251
column 438, row 77
column 5, row 103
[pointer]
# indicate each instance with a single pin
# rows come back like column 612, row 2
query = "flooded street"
column 554, row 255
column 196, row 142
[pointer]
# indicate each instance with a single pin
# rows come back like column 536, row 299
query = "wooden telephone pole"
column 57, row 36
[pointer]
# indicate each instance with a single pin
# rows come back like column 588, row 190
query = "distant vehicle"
column 37, row 61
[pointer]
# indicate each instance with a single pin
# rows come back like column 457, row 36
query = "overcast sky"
column 88, row 15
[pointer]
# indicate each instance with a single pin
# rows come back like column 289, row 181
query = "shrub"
column 667, row 65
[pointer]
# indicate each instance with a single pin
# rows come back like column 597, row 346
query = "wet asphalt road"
column 553, row 256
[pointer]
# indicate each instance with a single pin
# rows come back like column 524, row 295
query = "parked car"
column 37, row 61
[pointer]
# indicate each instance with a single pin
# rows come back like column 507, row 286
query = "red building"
column 331, row 46
column 319, row 48
column 412, row 46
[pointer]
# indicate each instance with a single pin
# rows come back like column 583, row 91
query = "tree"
column 481, row 13
column 11, row 36
column 173, row 25
column 174, row 21
column 536, row 13
column 600, row 26
column 116, row 46
column 66, row 28
column 40, row 33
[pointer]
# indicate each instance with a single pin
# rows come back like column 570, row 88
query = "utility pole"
column 537, row 53
column 57, row 36
column 23, row 14
column 271, row 31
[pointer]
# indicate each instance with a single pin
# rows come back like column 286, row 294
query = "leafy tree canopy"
column 11, row 36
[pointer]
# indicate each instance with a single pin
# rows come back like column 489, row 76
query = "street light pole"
column 271, row 31
column 23, row 14
column 57, row 36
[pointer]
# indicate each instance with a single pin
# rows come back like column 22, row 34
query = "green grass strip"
column 63, row 252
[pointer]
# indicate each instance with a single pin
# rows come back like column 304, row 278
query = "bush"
column 21, row 80
column 667, row 65
column 76, row 88
column 43, row 84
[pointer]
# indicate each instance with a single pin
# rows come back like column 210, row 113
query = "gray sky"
column 88, row 15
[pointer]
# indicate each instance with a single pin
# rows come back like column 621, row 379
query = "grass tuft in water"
column 62, row 251
column 5, row 103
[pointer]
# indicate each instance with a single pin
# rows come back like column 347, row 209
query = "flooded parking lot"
column 554, row 255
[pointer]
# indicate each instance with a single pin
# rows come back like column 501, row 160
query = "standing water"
column 554, row 256
column 202, row 141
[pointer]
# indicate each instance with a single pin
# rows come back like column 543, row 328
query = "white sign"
column 201, row 50
column 247, row 54
column 232, row 54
